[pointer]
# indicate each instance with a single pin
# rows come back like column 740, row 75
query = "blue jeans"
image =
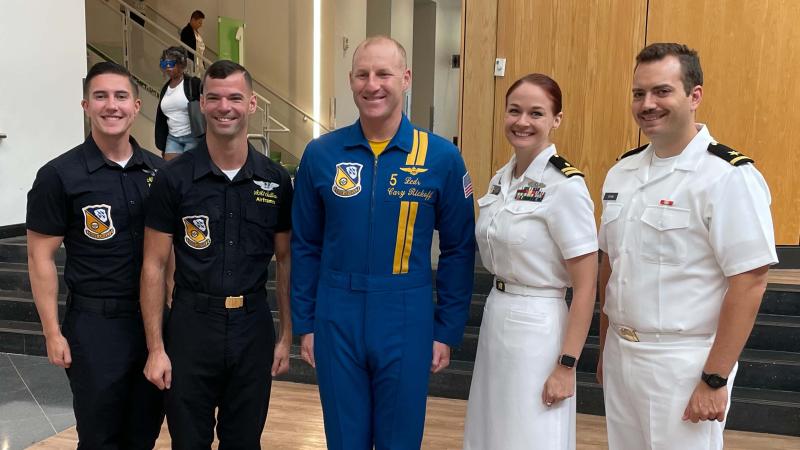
column 181, row 144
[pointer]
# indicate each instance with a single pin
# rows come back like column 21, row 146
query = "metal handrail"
column 127, row 23
column 155, row 11
column 263, row 139
column 177, row 27
column 261, row 85
column 157, row 93
column 128, row 9
column 290, row 103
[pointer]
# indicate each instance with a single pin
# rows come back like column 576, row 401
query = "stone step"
column 14, row 277
column 22, row 337
column 18, row 306
column 757, row 368
column 779, row 300
column 762, row 410
column 15, row 250
column 770, row 332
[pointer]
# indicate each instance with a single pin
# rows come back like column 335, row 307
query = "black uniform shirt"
column 223, row 231
column 99, row 209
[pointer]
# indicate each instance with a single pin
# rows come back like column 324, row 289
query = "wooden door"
column 588, row 47
column 750, row 53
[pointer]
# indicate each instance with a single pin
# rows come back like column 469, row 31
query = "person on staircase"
column 175, row 132
column 190, row 35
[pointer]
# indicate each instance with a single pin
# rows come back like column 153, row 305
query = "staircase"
column 766, row 396
column 279, row 127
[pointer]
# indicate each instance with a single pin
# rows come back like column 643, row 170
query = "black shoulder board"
column 729, row 154
column 632, row 152
column 565, row 167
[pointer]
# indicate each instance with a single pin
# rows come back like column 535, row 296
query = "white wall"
column 403, row 26
column 43, row 44
column 350, row 21
column 424, row 61
column 448, row 42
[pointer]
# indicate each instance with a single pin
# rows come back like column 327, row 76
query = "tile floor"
column 35, row 400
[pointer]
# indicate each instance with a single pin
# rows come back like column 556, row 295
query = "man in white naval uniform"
column 687, row 240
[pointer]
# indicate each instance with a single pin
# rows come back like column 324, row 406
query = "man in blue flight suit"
column 367, row 200
column 91, row 198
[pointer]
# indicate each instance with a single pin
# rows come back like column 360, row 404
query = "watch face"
column 715, row 381
column 567, row 361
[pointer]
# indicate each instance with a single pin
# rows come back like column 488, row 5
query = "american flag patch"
column 466, row 181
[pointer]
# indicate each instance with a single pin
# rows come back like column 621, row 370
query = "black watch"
column 713, row 380
column 567, row 361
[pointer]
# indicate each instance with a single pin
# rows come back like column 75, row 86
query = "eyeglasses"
column 167, row 63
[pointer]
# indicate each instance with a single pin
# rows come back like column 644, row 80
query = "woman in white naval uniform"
column 536, row 233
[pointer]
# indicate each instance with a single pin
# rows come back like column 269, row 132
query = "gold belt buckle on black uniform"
column 234, row 302
column 628, row 333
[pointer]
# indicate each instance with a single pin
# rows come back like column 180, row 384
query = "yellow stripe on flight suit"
column 412, row 219
column 412, row 157
column 402, row 220
column 423, row 149
column 408, row 210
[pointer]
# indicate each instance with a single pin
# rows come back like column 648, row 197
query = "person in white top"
column 686, row 238
column 173, row 130
column 536, row 233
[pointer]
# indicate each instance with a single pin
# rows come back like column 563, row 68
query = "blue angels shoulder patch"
column 347, row 181
column 97, row 223
column 197, row 232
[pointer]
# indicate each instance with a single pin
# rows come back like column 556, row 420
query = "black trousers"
column 221, row 358
column 115, row 406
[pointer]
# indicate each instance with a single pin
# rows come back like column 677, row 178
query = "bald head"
column 381, row 39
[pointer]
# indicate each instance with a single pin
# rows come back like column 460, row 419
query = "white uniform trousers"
column 519, row 345
column 646, row 387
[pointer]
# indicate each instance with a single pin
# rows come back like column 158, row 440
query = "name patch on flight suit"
column 198, row 234
column 97, row 223
column 412, row 190
column 347, row 181
column 265, row 194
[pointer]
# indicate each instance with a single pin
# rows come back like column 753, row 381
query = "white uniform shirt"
column 526, row 241
column 672, row 239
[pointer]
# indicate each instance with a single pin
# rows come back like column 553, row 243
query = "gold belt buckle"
column 629, row 334
column 500, row 285
column 234, row 302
